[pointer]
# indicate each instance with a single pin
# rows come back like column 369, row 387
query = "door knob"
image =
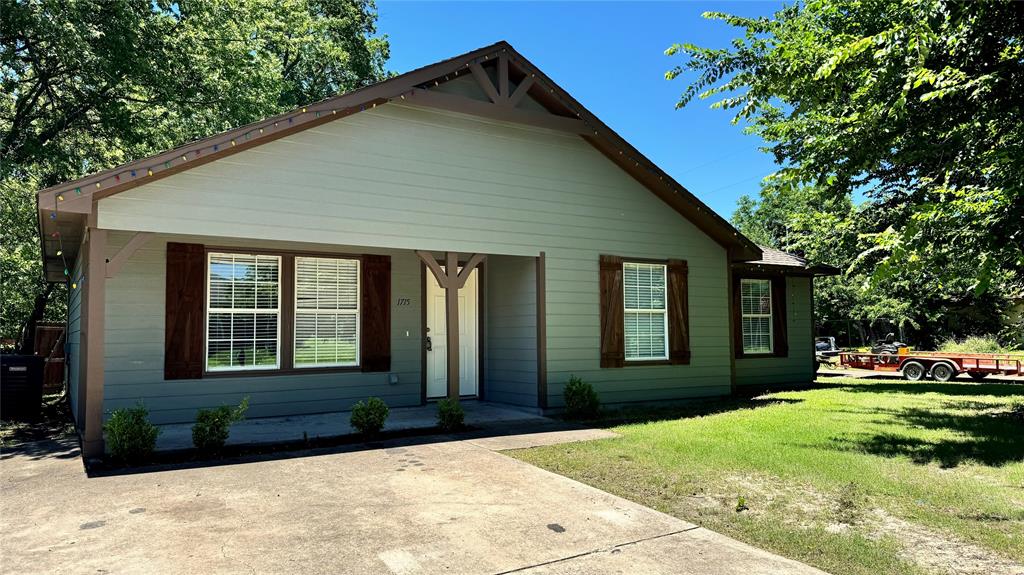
column 429, row 344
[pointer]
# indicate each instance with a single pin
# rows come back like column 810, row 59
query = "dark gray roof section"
column 777, row 259
column 774, row 257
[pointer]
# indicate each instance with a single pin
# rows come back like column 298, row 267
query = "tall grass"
column 973, row 344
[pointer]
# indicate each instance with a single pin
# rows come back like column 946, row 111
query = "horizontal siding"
column 798, row 367
column 510, row 372
column 134, row 351
column 400, row 177
column 74, row 333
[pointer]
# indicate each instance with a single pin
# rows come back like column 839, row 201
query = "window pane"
column 756, row 308
column 305, row 342
column 266, row 326
column 219, row 354
column 327, row 302
column 645, row 318
column 266, row 352
column 242, row 326
column 245, row 295
column 245, row 268
column 266, row 269
column 347, row 339
column 219, row 326
column 220, row 294
column 266, row 295
column 237, row 336
column 242, row 352
column 645, row 335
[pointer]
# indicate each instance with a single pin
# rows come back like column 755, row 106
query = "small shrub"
column 213, row 426
column 368, row 416
column 450, row 415
column 741, row 504
column 129, row 434
column 973, row 344
column 581, row 400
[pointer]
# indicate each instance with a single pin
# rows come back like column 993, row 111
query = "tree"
column 915, row 103
column 823, row 228
column 90, row 84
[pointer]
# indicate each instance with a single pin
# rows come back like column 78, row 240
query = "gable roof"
column 63, row 207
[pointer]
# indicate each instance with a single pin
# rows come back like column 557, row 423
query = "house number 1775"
column 403, row 301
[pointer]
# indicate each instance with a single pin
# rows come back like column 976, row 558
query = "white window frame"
column 771, row 323
column 664, row 311
column 296, row 311
column 254, row 310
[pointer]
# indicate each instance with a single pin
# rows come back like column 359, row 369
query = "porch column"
column 451, row 280
column 93, row 334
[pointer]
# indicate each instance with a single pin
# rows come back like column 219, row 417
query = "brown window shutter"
column 184, row 319
column 375, row 315
column 678, row 313
column 779, row 332
column 613, row 347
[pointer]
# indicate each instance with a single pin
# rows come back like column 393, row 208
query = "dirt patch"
column 846, row 511
column 940, row 552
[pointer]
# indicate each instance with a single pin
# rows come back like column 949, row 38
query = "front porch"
column 480, row 415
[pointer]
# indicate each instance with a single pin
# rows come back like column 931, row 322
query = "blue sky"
column 609, row 56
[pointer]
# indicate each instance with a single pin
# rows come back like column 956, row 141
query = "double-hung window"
column 756, row 304
column 243, row 323
column 326, row 312
column 646, row 314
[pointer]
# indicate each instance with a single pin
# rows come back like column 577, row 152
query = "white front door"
column 437, row 331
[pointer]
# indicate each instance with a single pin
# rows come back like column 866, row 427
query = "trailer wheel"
column 913, row 371
column 942, row 372
column 977, row 375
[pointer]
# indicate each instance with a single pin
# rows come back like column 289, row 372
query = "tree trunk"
column 28, row 331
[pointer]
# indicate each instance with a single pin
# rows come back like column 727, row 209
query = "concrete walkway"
column 446, row 504
column 266, row 430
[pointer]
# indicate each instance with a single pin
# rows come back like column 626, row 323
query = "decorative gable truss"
column 505, row 87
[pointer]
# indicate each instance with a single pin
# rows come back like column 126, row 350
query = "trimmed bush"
column 581, row 400
column 129, row 434
column 213, row 426
column 450, row 415
column 368, row 417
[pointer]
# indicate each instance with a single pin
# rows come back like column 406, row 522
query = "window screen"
column 326, row 312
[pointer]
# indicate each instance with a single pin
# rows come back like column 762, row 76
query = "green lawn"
column 853, row 476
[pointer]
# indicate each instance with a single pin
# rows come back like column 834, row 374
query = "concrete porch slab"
column 269, row 430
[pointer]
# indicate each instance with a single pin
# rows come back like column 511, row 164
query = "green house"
column 465, row 229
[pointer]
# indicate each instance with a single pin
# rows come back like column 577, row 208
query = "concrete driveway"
column 425, row 505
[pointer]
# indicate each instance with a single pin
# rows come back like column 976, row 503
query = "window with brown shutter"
column 644, row 312
column 184, row 311
column 272, row 312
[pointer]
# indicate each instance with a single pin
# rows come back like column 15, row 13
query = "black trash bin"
column 21, row 386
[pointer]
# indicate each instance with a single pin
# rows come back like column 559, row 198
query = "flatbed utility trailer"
column 916, row 365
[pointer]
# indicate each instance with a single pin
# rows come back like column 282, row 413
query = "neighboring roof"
column 773, row 259
column 61, row 206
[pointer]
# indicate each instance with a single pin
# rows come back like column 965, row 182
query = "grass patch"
column 853, row 476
